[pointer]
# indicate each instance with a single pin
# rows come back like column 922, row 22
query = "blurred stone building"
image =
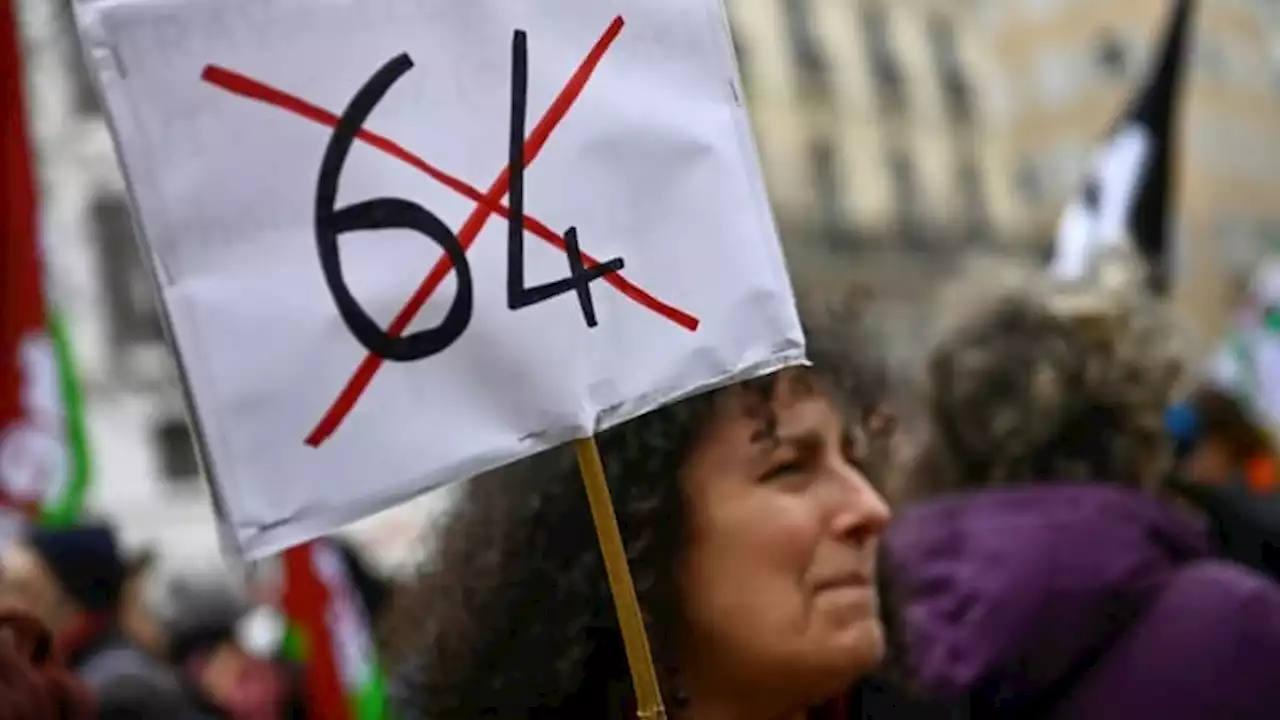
column 881, row 126
column 1071, row 65
column 144, row 469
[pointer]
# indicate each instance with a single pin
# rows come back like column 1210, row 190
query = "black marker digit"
column 382, row 214
column 580, row 277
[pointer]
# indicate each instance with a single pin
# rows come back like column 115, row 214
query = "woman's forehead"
column 768, row 404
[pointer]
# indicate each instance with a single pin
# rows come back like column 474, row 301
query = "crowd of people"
column 85, row 634
column 1077, row 525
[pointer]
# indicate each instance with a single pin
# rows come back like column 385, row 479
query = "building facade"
column 881, row 127
column 877, row 121
column 145, row 475
column 1072, row 66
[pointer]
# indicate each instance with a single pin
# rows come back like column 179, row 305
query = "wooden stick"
column 644, row 677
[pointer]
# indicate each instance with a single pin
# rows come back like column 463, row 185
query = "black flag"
column 1128, row 194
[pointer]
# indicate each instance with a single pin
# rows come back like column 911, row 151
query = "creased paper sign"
column 330, row 192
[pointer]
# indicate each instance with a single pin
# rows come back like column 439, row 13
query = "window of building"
column 942, row 35
column 811, row 64
column 175, row 446
column 827, row 189
column 1111, row 56
column 950, row 69
column 885, row 69
column 905, row 195
column 973, row 199
column 131, row 299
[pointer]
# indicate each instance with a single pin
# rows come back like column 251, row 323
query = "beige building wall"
column 850, row 169
column 1072, row 64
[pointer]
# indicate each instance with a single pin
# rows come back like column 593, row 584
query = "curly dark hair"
column 1038, row 380
column 511, row 615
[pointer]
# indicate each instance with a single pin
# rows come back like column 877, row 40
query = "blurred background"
column 899, row 137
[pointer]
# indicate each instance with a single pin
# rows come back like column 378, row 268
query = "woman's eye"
column 790, row 467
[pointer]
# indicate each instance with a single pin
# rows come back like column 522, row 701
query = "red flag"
column 22, row 312
column 307, row 605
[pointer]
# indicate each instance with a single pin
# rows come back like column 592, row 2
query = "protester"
column 751, row 531
column 1227, row 469
column 223, row 680
column 34, row 685
column 1221, row 442
column 133, row 698
column 72, row 579
column 138, row 618
column 1041, row 575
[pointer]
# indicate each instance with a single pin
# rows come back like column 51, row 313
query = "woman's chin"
column 851, row 655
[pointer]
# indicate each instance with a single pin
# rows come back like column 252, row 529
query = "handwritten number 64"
column 396, row 213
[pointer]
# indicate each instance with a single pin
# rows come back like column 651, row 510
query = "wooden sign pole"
column 639, row 657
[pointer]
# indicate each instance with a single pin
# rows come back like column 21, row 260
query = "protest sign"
column 335, row 371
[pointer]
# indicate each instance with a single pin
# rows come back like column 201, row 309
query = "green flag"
column 65, row 498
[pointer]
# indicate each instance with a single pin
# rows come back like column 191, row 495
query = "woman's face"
column 777, row 577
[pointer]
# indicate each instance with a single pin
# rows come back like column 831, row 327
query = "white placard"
column 637, row 144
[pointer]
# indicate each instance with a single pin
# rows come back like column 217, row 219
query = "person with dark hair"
column 1040, row 573
column 751, row 528
column 1227, row 468
column 34, row 684
column 138, row 618
column 131, row 698
column 72, row 579
column 1220, row 442
column 221, row 679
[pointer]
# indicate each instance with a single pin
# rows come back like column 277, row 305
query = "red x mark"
column 487, row 204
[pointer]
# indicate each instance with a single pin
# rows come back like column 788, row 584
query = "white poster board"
column 257, row 215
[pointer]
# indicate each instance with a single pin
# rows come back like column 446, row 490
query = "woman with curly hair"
column 751, row 528
column 1041, row 574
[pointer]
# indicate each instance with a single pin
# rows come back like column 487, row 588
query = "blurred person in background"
column 34, row 684
column 132, row 699
column 73, row 579
column 1040, row 574
column 222, row 679
column 138, row 617
column 1227, row 468
column 1219, row 442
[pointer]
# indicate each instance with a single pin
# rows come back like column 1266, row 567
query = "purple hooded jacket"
column 1080, row 601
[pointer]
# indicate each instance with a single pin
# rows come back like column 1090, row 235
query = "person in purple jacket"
column 1043, row 575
